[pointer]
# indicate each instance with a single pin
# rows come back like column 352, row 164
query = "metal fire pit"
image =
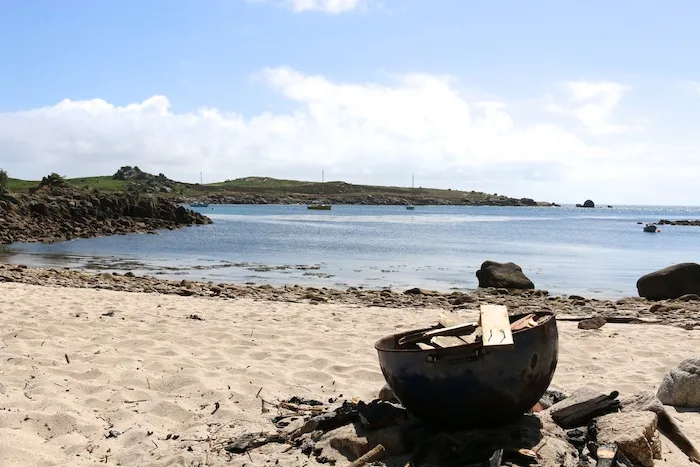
column 471, row 386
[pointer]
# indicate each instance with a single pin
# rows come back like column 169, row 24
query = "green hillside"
column 133, row 179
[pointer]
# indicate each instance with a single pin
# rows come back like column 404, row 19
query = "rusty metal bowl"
column 471, row 386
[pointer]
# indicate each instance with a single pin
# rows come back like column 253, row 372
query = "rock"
column 503, row 275
column 689, row 297
column 59, row 211
column 647, row 401
column 353, row 441
column 418, row 291
column 634, row 433
column 550, row 397
column 681, row 386
column 592, row 323
column 387, row 394
column 671, row 282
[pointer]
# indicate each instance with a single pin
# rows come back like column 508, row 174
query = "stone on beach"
column 681, row 386
column 634, row 433
column 503, row 275
column 671, row 282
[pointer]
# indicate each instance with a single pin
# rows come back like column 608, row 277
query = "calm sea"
column 593, row 252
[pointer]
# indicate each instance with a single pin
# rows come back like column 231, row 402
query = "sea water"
column 597, row 252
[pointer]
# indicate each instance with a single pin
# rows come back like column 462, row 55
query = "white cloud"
column 361, row 133
column 326, row 6
column 593, row 103
column 691, row 85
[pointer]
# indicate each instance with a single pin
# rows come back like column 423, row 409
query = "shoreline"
column 685, row 314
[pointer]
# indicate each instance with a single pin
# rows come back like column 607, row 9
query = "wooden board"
column 460, row 329
column 447, row 341
column 424, row 346
column 495, row 326
column 449, row 320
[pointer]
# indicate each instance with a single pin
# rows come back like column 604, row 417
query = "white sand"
column 150, row 368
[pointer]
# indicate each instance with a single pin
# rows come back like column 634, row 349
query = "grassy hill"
column 275, row 189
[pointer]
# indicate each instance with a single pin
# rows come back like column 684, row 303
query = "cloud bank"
column 564, row 149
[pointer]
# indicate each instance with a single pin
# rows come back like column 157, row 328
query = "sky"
column 553, row 100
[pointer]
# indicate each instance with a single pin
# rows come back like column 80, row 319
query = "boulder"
column 671, row 282
column 503, row 275
column 647, row 401
column 681, row 386
column 586, row 204
column 634, row 433
column 592, row 323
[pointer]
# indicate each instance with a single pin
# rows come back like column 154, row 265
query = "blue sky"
column 550, row 99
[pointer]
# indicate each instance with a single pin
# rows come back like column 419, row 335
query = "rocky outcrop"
column 358, row 199
column 503, row 275
column 685, row 222
column 587, row 204
column 145, row 182
column 681, row 386
column 671, row 282
column 59, row 212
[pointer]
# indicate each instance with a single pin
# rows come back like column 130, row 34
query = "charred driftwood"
column 578, row 410
column 250, row 441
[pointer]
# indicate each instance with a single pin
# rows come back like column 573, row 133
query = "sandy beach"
column 77, row 363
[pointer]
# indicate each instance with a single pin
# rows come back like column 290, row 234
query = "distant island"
column 265, row 190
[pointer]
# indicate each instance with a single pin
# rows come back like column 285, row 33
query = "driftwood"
column 612, row 319
column 347, row 413
column 578, row 411
column 371, row 456
column 250, row 441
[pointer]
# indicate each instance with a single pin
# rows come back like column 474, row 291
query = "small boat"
column 411, row 206
column 319, row 205
column 651, row 228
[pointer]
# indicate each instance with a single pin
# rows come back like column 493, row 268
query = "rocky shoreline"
column 684, row 312
column 694, row 223
column 56, row 213
column 354, row 199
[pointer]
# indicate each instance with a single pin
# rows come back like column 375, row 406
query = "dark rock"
column 592, row 323
column 380, row 414
column 418, row 291
column 586, row 204
column 690, row 297
column 503, row 275
column 681, row 386
column 59, row 211
column 671, row 282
